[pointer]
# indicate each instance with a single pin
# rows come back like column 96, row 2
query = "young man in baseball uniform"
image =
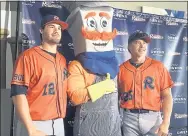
column 39, row 84
column 145, row 86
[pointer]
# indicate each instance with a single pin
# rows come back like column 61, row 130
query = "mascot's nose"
column 100, row 29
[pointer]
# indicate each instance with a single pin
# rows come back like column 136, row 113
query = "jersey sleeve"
column 18, row 89
column 22, row 71
column 77, row 89
column 166, row 80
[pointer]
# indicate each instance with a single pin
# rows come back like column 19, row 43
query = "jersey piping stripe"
column 57, row 91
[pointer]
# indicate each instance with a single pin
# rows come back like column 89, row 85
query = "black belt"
column 138, row 110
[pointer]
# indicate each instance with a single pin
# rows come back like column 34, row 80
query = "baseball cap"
column 53, row 19
column 53, row 15
column 139, row 35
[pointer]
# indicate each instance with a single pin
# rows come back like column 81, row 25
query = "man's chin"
column 141, row 54
column 55, row 42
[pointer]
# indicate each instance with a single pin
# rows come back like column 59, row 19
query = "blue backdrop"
column 169, row 45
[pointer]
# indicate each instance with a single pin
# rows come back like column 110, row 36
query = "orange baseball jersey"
column 140, row 87
column 78, row 92
column 46, row 79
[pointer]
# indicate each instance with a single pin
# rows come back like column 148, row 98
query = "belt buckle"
column 139, row 111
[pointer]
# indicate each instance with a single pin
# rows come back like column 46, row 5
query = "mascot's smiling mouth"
column 100, row 43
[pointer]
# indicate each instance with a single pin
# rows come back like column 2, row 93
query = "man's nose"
column 142, row 45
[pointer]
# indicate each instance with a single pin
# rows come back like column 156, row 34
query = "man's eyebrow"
column 49, row 24
column 90, row 14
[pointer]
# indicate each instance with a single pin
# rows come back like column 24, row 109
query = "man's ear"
column 41, row 31
column 128, row 49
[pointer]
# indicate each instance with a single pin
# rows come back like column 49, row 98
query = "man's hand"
column 162, row 130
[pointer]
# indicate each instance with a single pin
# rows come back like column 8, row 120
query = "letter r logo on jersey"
column 148, row 82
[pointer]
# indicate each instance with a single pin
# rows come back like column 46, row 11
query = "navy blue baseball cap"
column 53, row 15
column 139, row 35
column 53, row 19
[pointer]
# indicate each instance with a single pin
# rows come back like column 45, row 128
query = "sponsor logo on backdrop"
column 71, row 46
column 173, row 53
column 180, row 116
column 182, row 132
column 156, row 36
column 26, row 42
column 120, row 49
column 171, row 23
column 138, row 19
column 176, row 68
column 118, row 13
column 156, row 21
column 50, row 4
column 185, row 39
column 172, row 37
column 28, row 2
column 179, row 99
column 157, row 52
column 170, row 134
column 122, row 33
column 59, row 44
column 27, row 21
column 178, row 84
column 120, row 16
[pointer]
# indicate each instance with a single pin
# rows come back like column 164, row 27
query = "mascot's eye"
column 91, row 22
column 104, row 22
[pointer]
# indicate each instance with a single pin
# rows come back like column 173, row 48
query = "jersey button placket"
column 138, row 77
column 138, row 84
